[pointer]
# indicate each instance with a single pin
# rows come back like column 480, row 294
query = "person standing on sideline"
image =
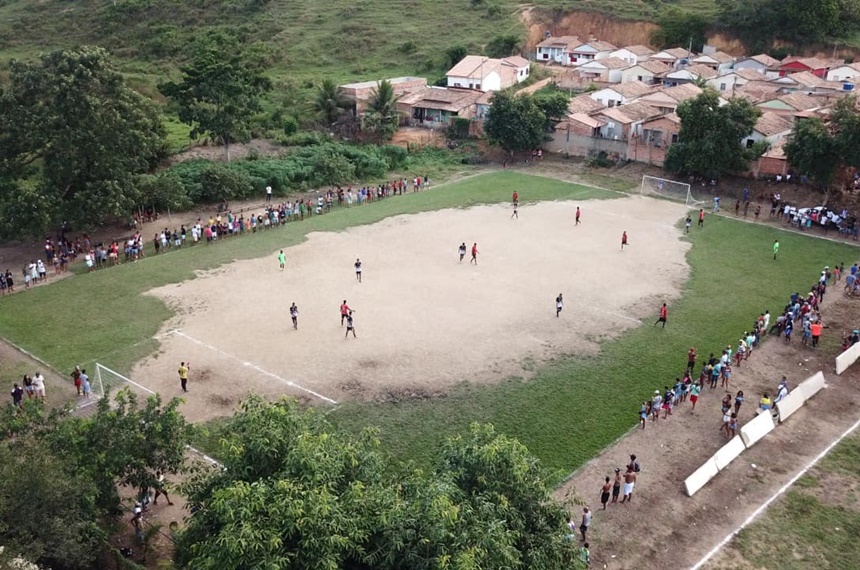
column 629, row 483
column 282, row 260
column 616, row 485
column 604, row 492
column 816, row 332
column 344, row 311
column 586, row 522
column 691, row 359
column 462, row 251
column 183, row 375
column 559, row 305
column 664, row 312
column 623, row 239
column 515, row 214
column 578, row 216
column 18, row 398
column 268, row 194
column 775, row 248
column 701, row 217
column 515, row 199
column 687, row 223
column 294, row 315
column 643, row 413
column 39, row 385
column 695, row 390
column 85, row 384
column 474, row 254
column 349, row 326
column 716, row 204
column 76, row 379
column 357, row 270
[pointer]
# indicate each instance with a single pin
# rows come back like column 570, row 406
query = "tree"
column 515, row 123
column 453, row 56
column 709, row 143
column 503, row 46
column 553, row 104
column 813, row 150
column 328, row 101
column 680, row 28
column 220, row 90
column 382, row 117
column 296, row 491
column 74, row 139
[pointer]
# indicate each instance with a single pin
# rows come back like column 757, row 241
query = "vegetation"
column 678, row 28
column 328, row 103
column 515, row 122
column 220, row 90
column 709, row 143
column 59, row 475
column 297, row 490
column 382, row 117
column 74, row 138
column 819, row 149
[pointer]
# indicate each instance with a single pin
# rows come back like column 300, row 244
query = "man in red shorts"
column 623, row 239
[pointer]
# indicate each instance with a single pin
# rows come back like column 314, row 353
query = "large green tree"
column 680, row 28
column 515, row 123
column 74, row 139
column 709, row 143
column 220, row 90
column 296, row 493
column 60, row 474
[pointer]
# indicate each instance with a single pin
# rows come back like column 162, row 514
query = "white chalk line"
column 253, row 366
column 621, row 316
column 774, row 497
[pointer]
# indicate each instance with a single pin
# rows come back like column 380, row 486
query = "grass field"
column 815, row 525
column 568, row 411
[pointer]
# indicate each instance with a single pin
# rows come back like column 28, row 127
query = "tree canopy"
column 74, row 138
column 515, row 122
column 328, row 102
column 819, row 149
column 791, row 20
column 679, row 28
column 709, row 142
column 220, row 90
column 59, row 474
column 382, row 117
column 298, row 494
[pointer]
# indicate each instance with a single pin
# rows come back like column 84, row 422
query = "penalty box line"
column 253, row 366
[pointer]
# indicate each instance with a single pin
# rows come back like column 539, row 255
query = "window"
column 674, row 138
column 750, row 142
column 722, row 86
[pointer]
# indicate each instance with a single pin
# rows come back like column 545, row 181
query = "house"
column 646, row 72
column 553, row 48
column 661, row 132
column 615, row 95
column 672, row 57
column 607, row 70
column 800, row 80
column 846, row 72
column 688, row 74
column 581, row 124
column 719, row 61
column 487, row 74
column 668, row 99
column 633, row 54
column 588, row 51
column 436, row 106
column 623, row 122
column 814, row 65
column 770, row 127
column 583, row 104
column 790, row 103
column 759, row 91
column 727, row 82
column 359, row 94
column 762, row 63
column 482, row 105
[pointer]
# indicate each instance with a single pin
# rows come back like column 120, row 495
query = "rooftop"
column 770, row 124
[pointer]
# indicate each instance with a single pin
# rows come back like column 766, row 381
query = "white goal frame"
column 680, row 191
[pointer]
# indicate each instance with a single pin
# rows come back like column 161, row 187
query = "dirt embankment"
column 623, row 32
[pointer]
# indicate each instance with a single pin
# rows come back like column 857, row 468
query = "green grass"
column 808, row 528
column 574, row 407
column 113, row 322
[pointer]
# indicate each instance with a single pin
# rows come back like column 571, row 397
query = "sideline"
column 764, row 506
column 786, row 229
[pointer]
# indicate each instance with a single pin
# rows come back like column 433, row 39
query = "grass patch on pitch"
column 574, row 407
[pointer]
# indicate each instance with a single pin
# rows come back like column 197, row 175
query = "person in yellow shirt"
column 765, row 403
column 183, row 375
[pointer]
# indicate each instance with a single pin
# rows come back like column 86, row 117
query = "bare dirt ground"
column 424, row 321
column 663, row 528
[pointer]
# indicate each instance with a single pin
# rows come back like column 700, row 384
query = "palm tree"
column 382, row 115
column 328, row 102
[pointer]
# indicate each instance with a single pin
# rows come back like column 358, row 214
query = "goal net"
column 111, row 381
column 670, row 189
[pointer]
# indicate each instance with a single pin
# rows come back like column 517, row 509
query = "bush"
column 503, row 46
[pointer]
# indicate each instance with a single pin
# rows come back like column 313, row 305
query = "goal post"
column 669, row 189
column 107, row 380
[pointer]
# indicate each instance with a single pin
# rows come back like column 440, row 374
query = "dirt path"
column 664, row 528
